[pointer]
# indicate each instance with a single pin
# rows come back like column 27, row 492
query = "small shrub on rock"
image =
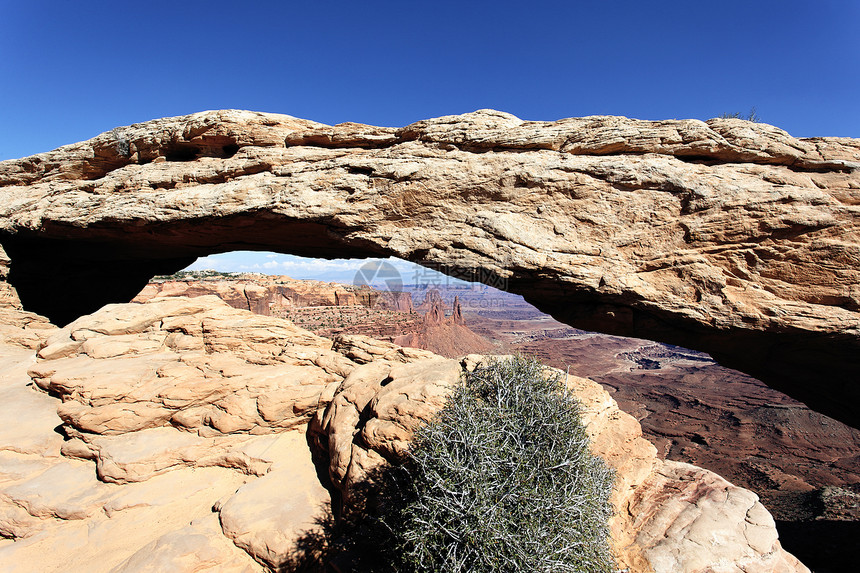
column 502, row 480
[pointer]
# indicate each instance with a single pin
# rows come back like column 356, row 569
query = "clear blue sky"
column 70, row 70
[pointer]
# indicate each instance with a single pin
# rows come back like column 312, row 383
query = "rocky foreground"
column 180, row 434
column 725, row 236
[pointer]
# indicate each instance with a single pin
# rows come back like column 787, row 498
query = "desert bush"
column 751, row 116
column 501, row 480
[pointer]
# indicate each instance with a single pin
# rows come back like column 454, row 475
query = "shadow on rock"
column 361, row 538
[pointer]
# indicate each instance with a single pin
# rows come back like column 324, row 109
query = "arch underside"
column 64, row 279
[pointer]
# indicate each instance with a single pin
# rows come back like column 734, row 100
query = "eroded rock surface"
column 163, row 467
column 182, row 447
column 448, row 337
column 670, row 517
column 194, row 363
column 690, row 519
column 269, row 295
column 726, row 236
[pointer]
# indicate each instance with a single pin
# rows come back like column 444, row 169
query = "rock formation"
column 261, row 294
column 436, row 314
column 457, row 313
column 394, row 300
column 432, row 300
column 449, row 337
column 167, row 409
column 183, row 446
column 726, row 236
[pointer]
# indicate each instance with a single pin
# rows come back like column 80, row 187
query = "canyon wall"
column 262, row 294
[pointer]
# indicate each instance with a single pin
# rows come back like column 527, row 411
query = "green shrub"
column 502, row 480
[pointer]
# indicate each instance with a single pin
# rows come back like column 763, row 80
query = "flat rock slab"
column 134, row 516
column 33, row 433
column 274, row 516
column 196, row 548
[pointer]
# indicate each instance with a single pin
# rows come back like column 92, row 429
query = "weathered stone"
column 261, row 294
column 66, row 490
column 138, row 456
column 130, row 518
column 727, row 236
column 125, row 373
column 374, row 412
column 368, row 423
column 195, row 363
column 192, row 549
column 8, row 294
column 271, row 516
column 32, row 433
column 690, row 520
column 363, row 349
column 23, row 329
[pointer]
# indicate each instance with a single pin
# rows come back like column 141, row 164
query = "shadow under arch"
column 93, row 265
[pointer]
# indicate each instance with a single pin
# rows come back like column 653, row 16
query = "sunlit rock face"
column 725, row 236
column 182, row 434
column 262, row 294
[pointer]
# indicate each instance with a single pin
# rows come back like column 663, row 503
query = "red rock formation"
column 395, row 300
column 431, row 297
column 457, row 315
column 436, row 315
column 343, row 298
column 449, row 337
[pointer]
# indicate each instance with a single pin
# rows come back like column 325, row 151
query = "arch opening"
column 692, row 408
column 80, row 268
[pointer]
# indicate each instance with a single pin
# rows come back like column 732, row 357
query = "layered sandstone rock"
column 395, row 300
column 457, row 313
column 686, row 518
column 726, row 236
column 169, row 409
column 8, row 294
column 193, row 363
column 448, row 337
column 269, row 295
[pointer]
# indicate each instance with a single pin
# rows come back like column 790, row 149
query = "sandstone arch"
column 726, row 236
